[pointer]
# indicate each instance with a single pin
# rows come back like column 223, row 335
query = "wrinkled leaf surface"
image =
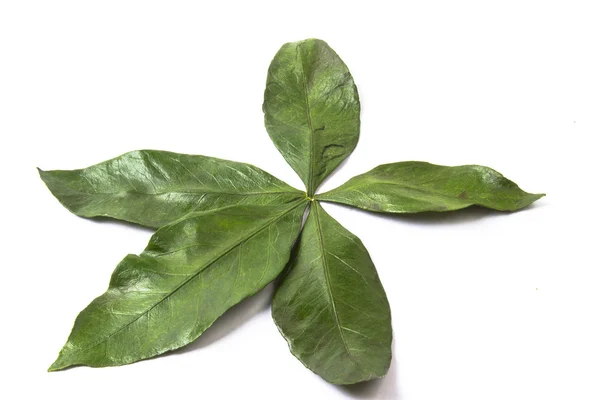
column 312, row 111
column 413, row 186
column 153, row 188
column 191, row 272
column 330, row 305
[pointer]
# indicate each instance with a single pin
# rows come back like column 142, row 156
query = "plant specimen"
column 226, row 229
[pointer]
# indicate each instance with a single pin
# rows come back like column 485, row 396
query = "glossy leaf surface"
column 153, row 188
column 191, row 272
column 312, row 111
column 330, row 305
column 411, row 187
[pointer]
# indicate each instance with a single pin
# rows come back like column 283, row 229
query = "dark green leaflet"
column 330, row 305
column 412, row 186
column 153, row 188
column 312, row 111
column 191, row 272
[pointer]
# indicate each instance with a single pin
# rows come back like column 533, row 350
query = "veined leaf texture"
column 226, row 229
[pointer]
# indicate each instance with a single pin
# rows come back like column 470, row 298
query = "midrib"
column 188, row 192
column 328, row 285
column 310, row 188
column 403, row 186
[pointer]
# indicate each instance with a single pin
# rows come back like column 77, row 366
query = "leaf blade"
column 312, row 109
column 330, row 305
column 152, row 188
column 413, row 186
column 191, row 272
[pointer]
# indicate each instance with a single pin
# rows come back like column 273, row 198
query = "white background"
column 485, row 305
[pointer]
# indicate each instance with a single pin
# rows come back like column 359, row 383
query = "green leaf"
column 312, row 111
column 191, row 272
column 411, row 187
column 153, row 188
column 330, row 305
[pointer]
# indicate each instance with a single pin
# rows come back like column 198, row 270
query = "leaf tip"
column 57, row 365
column 536, row 196
column 62, row 361
column 45, row 176
column 527, row 200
